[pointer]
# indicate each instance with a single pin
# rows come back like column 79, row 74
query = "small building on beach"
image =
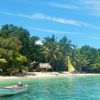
column 44, row 67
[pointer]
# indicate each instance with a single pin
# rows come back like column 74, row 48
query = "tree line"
column 18, row 50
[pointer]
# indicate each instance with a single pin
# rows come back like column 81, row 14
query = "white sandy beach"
column 43, row 74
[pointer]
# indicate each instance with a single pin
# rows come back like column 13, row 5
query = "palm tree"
column 51, row 52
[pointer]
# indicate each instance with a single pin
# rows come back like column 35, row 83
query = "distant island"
column 20, row 52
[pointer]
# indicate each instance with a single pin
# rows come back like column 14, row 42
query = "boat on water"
column 13, row 89
column 71, row 68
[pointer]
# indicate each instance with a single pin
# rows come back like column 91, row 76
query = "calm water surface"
column 61, row 88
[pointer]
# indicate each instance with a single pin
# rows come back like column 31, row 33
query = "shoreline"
column 46, row 74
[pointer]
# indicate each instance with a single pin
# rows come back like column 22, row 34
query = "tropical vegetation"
column 18, row 50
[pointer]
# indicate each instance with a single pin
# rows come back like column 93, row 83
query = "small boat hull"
column 11, row 91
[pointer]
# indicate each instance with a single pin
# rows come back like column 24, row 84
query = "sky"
column 79, row 20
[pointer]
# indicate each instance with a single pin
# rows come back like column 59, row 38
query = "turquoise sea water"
column 57, row 88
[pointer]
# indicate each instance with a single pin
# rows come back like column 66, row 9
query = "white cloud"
column 52, row 31
column 88, row 7
column 41, row 16
column 66, row 6
column 95, row 38
column 15, row 14
column 91, row 1
column 7, row 13
column 93, row 6
column 58, row 20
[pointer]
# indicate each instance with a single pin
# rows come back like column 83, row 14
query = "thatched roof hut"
column 45, row 66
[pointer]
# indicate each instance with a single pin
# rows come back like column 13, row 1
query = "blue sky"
column 79, row 20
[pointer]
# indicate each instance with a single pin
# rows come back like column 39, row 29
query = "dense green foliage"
column 18, row 50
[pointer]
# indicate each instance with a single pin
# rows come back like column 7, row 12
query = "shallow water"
column 57, row 88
